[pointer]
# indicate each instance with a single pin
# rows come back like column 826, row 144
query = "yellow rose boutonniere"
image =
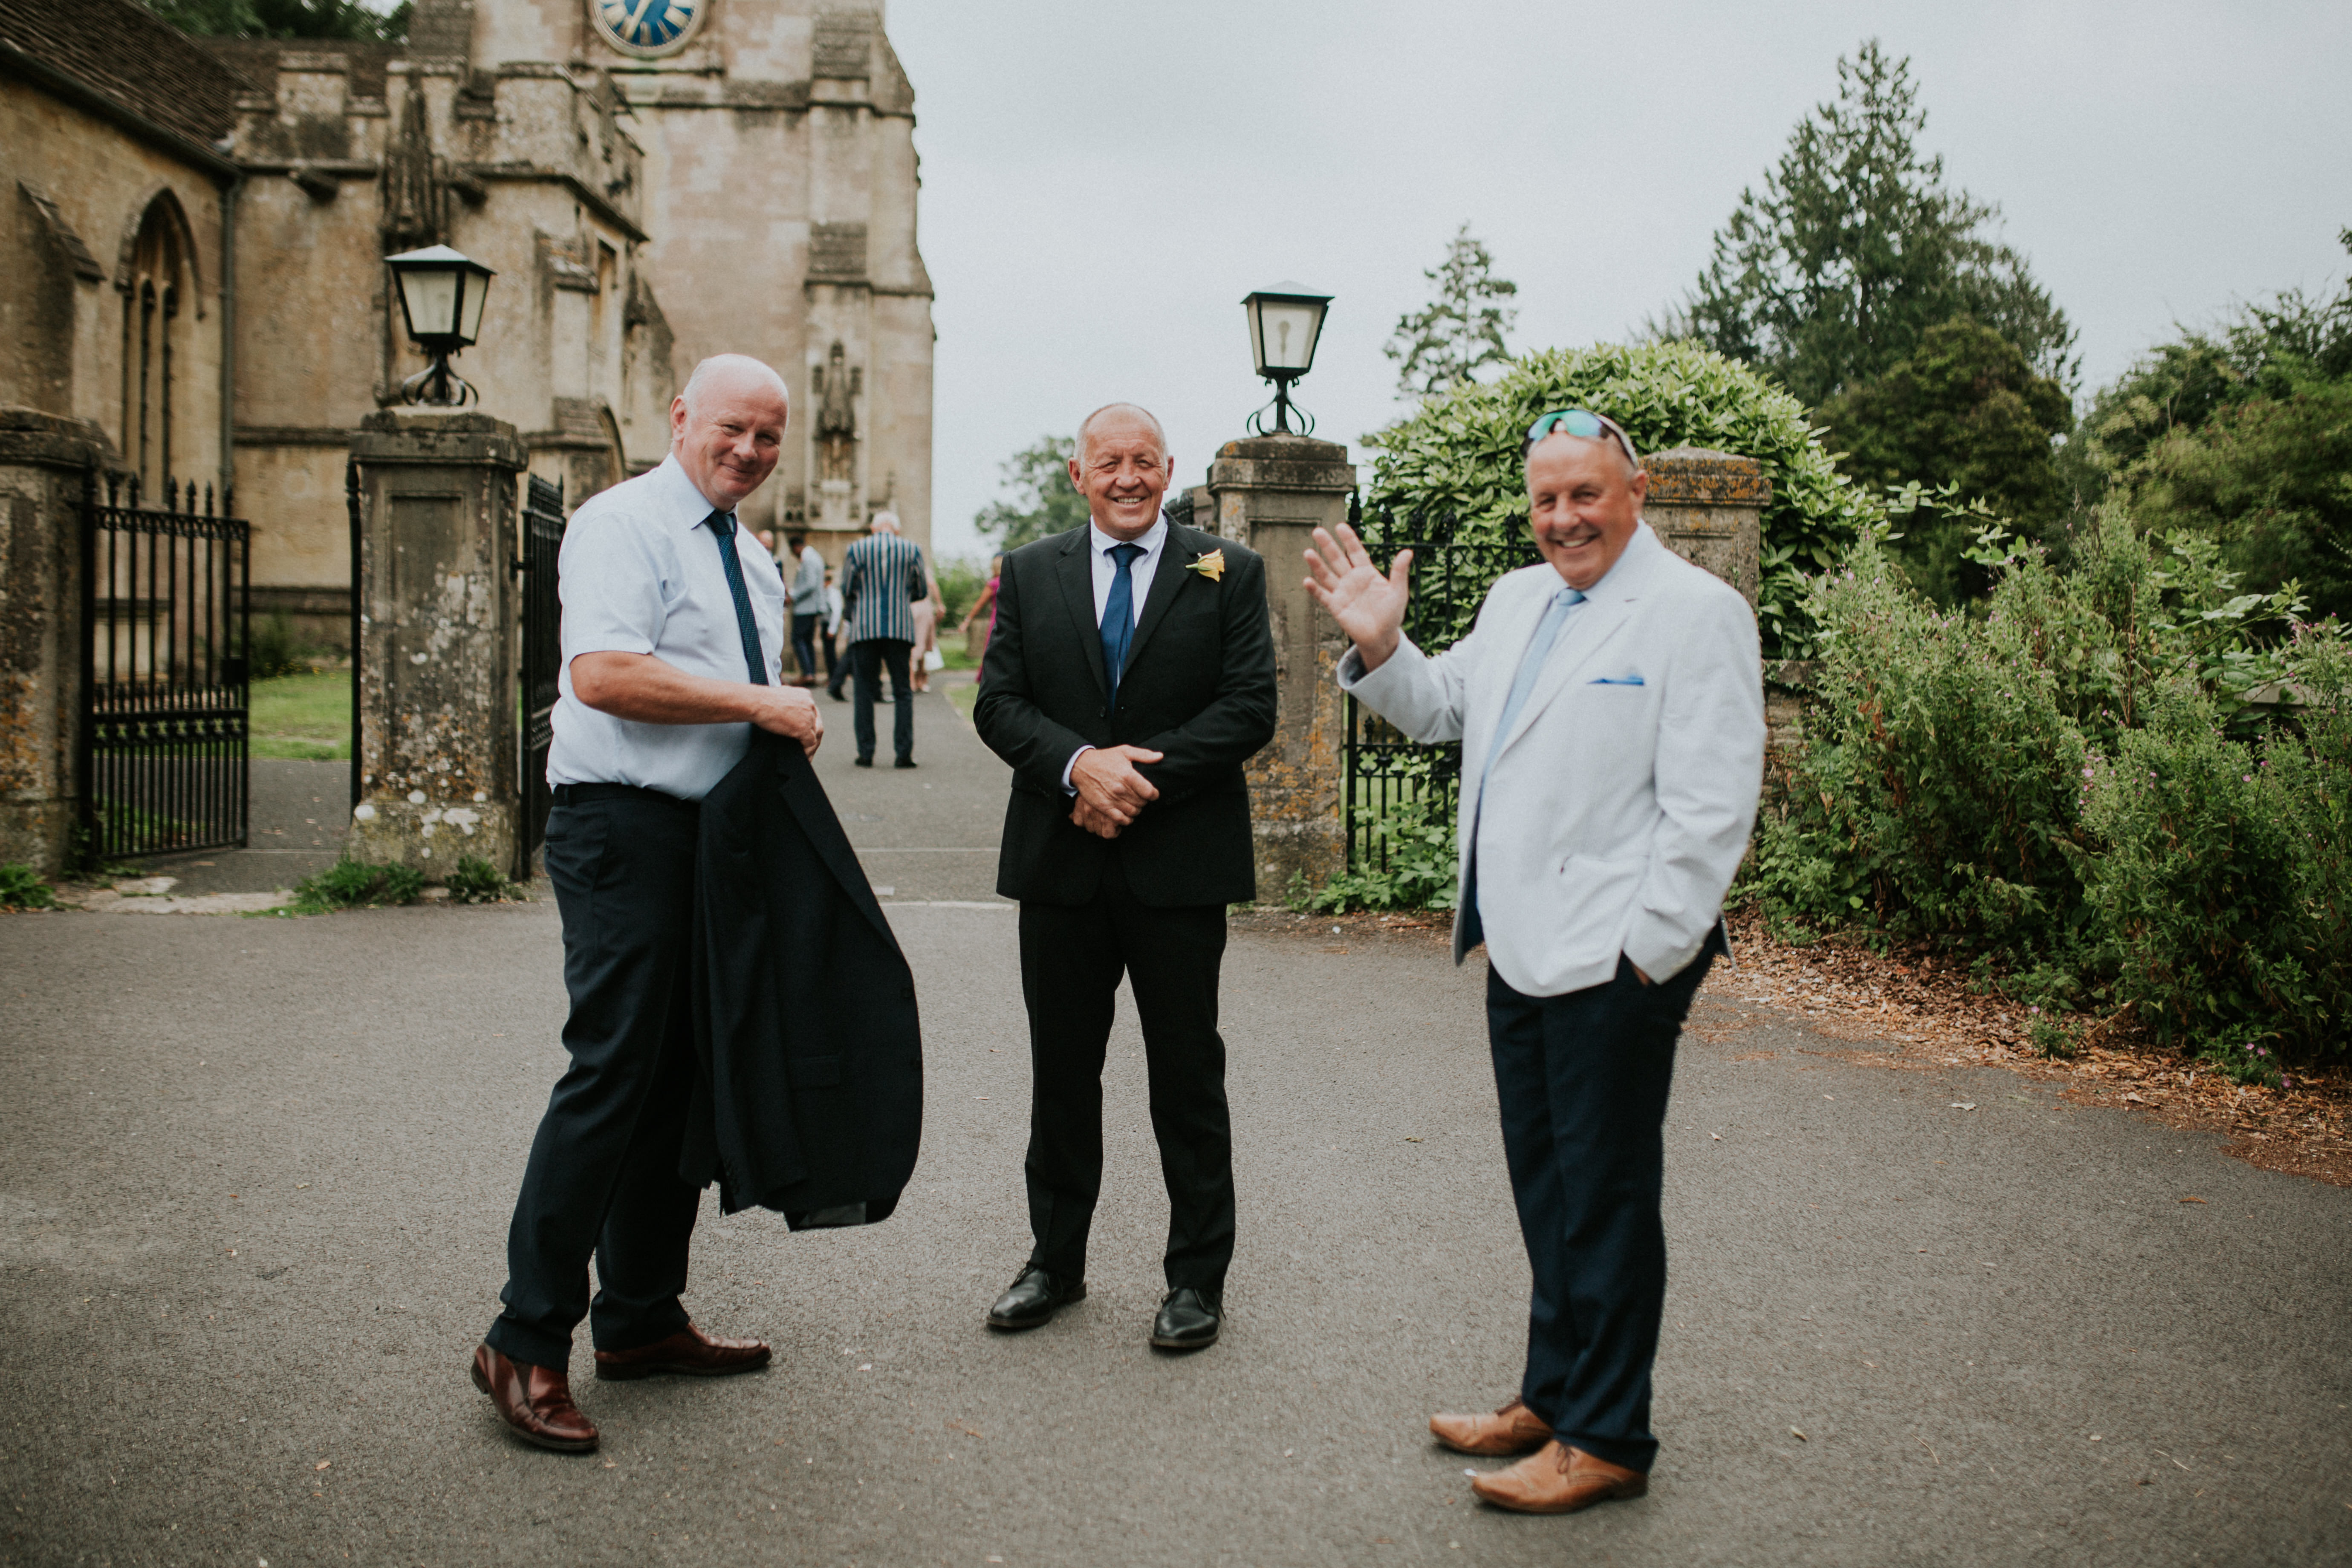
column 1211, row 565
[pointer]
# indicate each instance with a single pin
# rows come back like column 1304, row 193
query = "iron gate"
column 543, row 652
column 167, row 614
column 1394, row 784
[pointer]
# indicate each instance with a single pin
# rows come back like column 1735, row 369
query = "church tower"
column 778, row 196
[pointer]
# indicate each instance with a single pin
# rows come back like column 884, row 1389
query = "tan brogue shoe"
column 1513, row 1430
column 535, row 1402
column 690, row 1353
column 1557, row 1478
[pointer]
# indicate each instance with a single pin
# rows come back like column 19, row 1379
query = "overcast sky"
column 1102, row 182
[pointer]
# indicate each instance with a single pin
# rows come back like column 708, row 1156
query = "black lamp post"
column 441, row 294
column 1284, row 323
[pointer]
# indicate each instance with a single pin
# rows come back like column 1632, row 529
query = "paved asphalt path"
column 255, row 1176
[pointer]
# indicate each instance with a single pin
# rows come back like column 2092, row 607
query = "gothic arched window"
column 152, row 294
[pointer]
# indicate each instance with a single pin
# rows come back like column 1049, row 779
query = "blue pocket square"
column 1629, row 679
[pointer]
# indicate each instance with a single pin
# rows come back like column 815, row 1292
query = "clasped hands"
column 1112, row 794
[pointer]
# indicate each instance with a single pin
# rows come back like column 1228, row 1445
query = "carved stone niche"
column 1709, row 508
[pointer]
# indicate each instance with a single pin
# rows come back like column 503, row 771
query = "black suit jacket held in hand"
column 1198, row 687
column 810, row 1100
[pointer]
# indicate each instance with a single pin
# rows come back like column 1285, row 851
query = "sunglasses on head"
column 1580, row 422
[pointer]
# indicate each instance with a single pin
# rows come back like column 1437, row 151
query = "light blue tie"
column 1532, row 665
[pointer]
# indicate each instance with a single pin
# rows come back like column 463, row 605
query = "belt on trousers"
column 582, row 794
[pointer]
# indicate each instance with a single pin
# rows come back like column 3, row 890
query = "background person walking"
column 807, row 607
column 881, row 577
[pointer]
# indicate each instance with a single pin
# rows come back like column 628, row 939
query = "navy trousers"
column 602, row 1179
column 1583, row 1079
column 1071, row 962
column 867, row 660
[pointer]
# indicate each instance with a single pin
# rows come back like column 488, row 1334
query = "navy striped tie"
column 722, row 529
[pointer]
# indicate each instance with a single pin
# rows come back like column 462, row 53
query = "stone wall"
column 43, row 461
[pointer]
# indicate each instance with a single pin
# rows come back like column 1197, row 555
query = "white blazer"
column 1622, row 799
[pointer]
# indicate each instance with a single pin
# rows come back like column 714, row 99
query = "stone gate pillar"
column 1708, row 507
column 45, row 463
column 439, row 604
column 1271, row 492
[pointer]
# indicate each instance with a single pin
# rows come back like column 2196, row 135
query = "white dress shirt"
column 638, row 572
column 1154, row 541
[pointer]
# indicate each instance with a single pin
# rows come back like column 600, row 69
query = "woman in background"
column 986, row 604
column 926, row 628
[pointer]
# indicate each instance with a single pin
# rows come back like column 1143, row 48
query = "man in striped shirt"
column 881, row 577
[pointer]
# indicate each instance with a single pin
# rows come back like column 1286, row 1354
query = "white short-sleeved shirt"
column 639, row 573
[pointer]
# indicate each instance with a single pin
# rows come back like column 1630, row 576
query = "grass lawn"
column 303, row 716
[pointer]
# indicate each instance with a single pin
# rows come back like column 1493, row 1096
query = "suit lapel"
column 1168, row 580
column 1588, row 631
column 1075, row 572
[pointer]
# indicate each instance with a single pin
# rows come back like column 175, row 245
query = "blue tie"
column 1532, row 665
column 722, row 529
column 1118, row 616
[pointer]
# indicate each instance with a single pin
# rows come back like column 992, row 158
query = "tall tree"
column 1964, row 410
column 285, row 19
column 1043, row 500
column 1461, row 331
column 1853, row 248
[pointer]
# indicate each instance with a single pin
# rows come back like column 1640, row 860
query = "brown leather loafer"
column 690, row 1353
column 1513, row 1430
column 1557, row 1478
column 535, row 1402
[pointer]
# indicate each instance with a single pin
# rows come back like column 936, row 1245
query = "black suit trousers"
column 867, row 660
column 1071, row 960
column 1582, row 1081
column 603, row 1178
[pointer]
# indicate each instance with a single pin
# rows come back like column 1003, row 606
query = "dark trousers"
column 1582, row 1080
column 1071, row 960
column 869, row 657
column 603, row 1175
column 804, row 644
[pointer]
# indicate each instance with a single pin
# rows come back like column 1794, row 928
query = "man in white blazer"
column 1610, row 705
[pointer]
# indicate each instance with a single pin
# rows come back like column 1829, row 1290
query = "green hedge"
column 2091, row 784
column 1459, row 455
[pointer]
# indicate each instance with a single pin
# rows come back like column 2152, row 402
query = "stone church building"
column 194, row 251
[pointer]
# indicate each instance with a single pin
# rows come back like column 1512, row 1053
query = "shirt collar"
column 686, row 506
column 1151, row 538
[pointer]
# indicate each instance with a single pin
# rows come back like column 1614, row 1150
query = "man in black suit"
column 1130, row 676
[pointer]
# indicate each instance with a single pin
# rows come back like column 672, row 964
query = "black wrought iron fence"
column 1397, row 790
column 167, row 600
column 543, row 654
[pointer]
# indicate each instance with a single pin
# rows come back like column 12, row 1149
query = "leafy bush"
column 2081, row 784
column 22, row 887
column 476, row 881
column 276, row 648
column 1941, row 778
column 356, row 884
column 1459, row 455
column 1414, row 849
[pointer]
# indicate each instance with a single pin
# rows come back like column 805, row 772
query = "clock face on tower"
column 647, row 27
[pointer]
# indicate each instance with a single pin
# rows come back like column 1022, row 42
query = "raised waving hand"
column 1368, row 606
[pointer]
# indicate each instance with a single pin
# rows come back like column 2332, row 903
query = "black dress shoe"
column 1188, row 1320
column 1034, row 1299
column 864, row 762
column 835, row 692
column 903, row 763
